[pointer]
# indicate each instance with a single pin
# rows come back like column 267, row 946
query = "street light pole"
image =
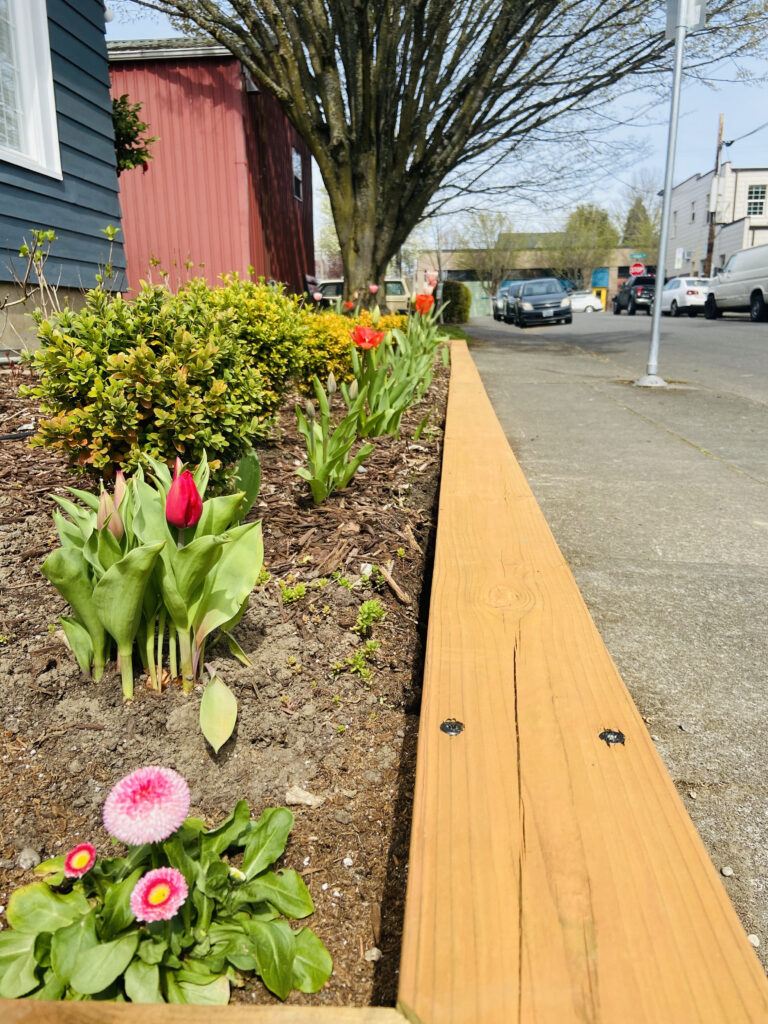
column 683, row 14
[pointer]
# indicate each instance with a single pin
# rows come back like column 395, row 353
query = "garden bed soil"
column 305, row 718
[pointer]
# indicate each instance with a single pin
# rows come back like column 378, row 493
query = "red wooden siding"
column 218, row 190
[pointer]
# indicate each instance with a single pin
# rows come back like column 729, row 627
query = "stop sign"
column 637, row 269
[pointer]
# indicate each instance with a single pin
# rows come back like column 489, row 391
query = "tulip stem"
column 149, row 653
column 187, row 669
column 160, row 638
column 172, row 650
column 126, row 671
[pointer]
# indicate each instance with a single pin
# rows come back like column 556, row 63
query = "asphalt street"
column 658, row 499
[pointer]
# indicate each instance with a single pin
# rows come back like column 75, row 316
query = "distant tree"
column 641, row 229
column 399, row 101
column 584, row 245
column 131, row 142
column 487, row 245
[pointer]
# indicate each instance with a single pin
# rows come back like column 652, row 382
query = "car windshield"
column 514, row 289
column 543, row 287
column 332, row 288
column 696, row 282
column 395, row 288
column 644, row 280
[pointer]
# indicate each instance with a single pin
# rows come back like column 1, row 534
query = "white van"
column 742, row 285
column 397, row 295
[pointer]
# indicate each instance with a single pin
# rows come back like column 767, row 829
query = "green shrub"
column 458, row 299
column 162, row 374
column 327, row 344
column 272, row 326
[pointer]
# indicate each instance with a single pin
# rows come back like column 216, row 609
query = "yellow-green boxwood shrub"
column 162, row 374
column 327, row 343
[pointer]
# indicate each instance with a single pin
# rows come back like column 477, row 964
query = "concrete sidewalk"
column 659, row 502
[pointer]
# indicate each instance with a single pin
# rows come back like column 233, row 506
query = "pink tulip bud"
column 356, row 295
column 373, row 288
column 183, row 506
column 317, row 296
column 119, row 487
column 107, row 515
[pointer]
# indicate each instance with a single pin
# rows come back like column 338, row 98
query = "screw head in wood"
column 452, row 727
column 612, row 736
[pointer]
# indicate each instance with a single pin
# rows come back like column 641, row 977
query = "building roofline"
column 164, row 49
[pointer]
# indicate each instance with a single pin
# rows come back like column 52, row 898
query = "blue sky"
column 743, row 104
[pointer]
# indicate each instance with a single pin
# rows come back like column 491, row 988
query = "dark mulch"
column 305, row 719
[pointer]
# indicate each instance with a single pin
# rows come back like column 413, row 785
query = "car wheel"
column 568, row 320
column 616, row 307
column 711, row 312
column 589, row 309
column 631, row 307
column 674, row 309
column 757, row 308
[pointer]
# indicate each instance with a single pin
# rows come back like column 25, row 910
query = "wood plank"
column 553, row 878
column 30, row 1011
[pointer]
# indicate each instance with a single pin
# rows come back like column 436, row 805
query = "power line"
column 746, row 136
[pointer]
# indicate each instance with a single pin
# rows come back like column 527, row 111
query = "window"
column 28, row 131
column 755, row 200
column 298, row 177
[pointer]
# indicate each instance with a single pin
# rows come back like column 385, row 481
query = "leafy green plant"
column 132, row 146
column 358, row 663
column 174, row 920
column 292, row 594
column 458, row 300
column 128, row 570
column 327, row 344
column 368, row 613
column 329, row 466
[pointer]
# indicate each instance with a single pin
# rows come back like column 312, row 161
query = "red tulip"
column 423, row 304
column 349, row 305
column 183, row 506
column 366, row 337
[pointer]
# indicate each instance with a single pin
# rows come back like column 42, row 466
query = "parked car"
column 636, row 293
column 684, row 294
column 397, row 295
column 742, row 285
column 540, row 301
column 586, row 302
column 499, row 303
column 513, row 290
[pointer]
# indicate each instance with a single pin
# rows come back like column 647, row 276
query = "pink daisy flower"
column 79, row 860
column 146, row 806
column 158, row 895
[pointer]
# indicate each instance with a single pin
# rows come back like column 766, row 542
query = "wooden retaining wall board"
column 31, row 1011
column 554, row 877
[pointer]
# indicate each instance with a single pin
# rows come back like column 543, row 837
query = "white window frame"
column 39, row 128
column 756, row 200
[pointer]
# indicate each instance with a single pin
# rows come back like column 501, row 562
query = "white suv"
column 397, row 296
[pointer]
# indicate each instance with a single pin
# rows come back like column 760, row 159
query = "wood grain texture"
column 21, row 1011
column 553, row 878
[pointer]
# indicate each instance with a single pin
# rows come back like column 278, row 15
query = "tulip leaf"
column 201, row 475
column 149, row 522
column 266, row 839
column 82, row 519
column 108, row 548
column 118, row 595
column 79, row 640
column 91, row 500
column 231, row 582
column 193, row 563
column 160, row 471
column 69, row 535
column 218, row 513
column 312, row 963
column 248, row 480
column 96, row 968
column 236, row 650
column 218, row 713
column 67, row 570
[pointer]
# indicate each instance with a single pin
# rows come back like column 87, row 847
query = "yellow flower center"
column 81, row 859
column 159, row 894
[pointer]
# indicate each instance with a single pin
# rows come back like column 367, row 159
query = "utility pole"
column 713, row 213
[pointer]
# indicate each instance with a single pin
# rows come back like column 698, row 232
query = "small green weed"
column 368, row 613
column 292, row 594
column 401, row 552
column 262, row 578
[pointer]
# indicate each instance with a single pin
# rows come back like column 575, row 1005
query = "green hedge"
column 458, row 299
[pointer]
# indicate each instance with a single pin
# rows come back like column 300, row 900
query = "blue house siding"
column 86, row 200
